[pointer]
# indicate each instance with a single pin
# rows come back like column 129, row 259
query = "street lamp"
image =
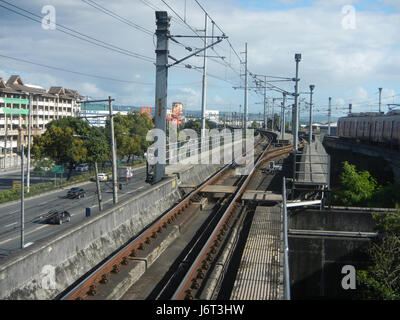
column 96, row 171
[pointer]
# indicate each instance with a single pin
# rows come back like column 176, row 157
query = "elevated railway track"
column 192, row 278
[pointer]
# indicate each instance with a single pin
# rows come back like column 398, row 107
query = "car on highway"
column 56, row 217
column 76, row 192
column 82, row 167
column 102, row 177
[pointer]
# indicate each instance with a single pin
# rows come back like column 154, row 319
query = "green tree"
column 255, row 125
column 58, row 143
column 381, row 280
column 130, row 133
column 357, row 187
column 196, row 125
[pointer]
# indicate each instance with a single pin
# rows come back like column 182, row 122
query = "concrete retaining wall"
column 316, row 262
column 49, row 266
column 75, row 251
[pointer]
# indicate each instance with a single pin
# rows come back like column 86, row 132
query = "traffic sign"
column 16, row 185
column 58, row 169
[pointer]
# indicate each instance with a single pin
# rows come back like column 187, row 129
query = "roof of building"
column 15, row 85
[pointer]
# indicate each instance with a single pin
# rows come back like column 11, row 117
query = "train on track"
column 372, row 127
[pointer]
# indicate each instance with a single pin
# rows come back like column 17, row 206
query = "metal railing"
column 286, row 242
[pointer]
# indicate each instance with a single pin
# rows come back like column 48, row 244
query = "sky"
column 349, row 48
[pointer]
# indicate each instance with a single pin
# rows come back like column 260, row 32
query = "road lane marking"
column 47, row 225
column 26, row 233
column 11, row 224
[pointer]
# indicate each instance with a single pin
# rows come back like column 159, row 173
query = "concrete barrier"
column 48, row 267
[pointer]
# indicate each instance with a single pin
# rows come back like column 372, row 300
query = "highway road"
column 10, row 214
column 8, row 177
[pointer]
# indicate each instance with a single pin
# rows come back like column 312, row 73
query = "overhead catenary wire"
column 78, row 34
column 117, row 16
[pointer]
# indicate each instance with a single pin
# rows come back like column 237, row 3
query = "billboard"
column 145, row 110
column 177, row 108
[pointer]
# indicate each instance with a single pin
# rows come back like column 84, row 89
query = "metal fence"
column 286, row 242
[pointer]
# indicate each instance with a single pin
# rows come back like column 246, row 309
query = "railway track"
column 204, row 250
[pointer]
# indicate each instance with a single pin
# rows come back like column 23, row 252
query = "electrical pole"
column 204, row 93
column 295, row 119
column 113, row 152
column 283, row 116
column 329, row 116
column 240, row 116
column 96, row 172
column 162, row 33
column 312, row 87
column 28, row 172
column 22, row 197
column 380, row 100
column 245, row 91
column 265, row 103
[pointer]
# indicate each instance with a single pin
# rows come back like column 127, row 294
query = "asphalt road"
column 8, row 177
column 10, row 213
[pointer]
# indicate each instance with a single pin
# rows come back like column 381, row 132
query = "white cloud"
column 339, row 62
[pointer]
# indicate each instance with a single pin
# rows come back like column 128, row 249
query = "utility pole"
column 22, row 198
column 162, row 33
column 204, row 92
column 380, row 100
column 329, row 116
column 96, row 172
column 296, row 111
column 312, row 87
column 283, row 116
column 265, row 103
column 28, row 169
column 295, row 120
column 113, row 152
column 350, row 108
column 240, row 116
column 245, row 91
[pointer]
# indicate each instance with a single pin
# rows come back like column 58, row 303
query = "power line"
column 88, row 74
column 118, row 17
column 74, row 72
column 80, row 35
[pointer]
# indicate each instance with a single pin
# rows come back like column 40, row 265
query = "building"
column 97, row 114
column 212, row 115
column 46, row 106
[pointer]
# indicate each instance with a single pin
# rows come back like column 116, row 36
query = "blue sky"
column 347, row 64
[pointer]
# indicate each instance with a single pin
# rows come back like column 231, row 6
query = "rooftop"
column 15, row 85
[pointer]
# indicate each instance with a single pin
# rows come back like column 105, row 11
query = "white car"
column 82, row 167
column 102, row 177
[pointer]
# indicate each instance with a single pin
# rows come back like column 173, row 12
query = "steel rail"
column 88, row 285
column 196, row 272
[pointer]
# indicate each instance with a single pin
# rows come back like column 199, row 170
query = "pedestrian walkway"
column 260, row 274
column 314, row 165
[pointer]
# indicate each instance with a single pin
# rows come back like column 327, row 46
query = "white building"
column 212, row 114
column 97, row 115
column 46, row 106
